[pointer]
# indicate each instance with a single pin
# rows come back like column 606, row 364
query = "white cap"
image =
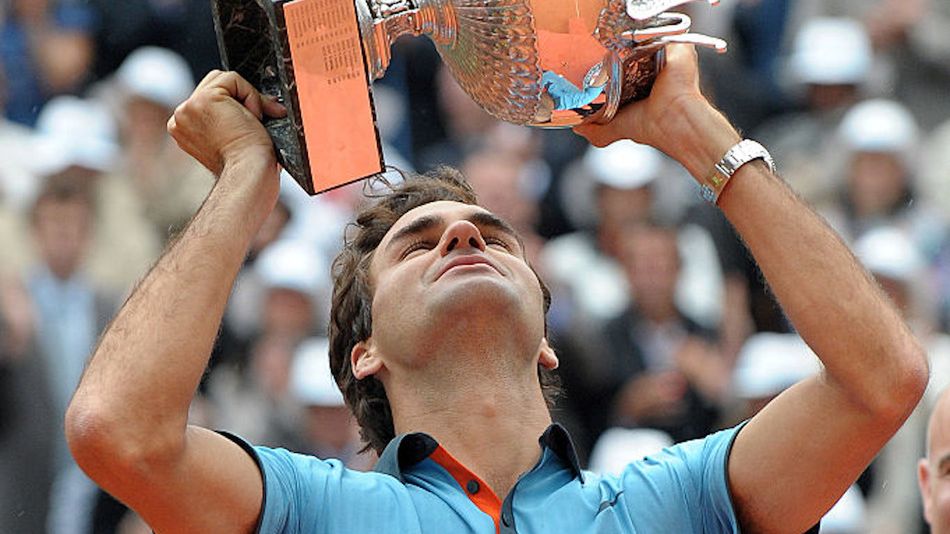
column 879, row 125
column 311, row 382
column 156, row 74
column 624, row 164
column 617, row 447
column 769, row 363
column 294, row 265
column 831, row 51
column 72, row 132
column 888, row 252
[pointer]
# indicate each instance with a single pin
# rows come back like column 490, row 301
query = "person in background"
column 900, row 268
column 583, row 267
column 70, row 313
column 664, row 370
column 46, row 49
column 830, row 63
column 880, row 141
column 912, row 53
column 250, row 392
column 329, row 430
column 768, row 364
column 932, row 479
column 26, row 415
column 76, row 138
column 150, row 83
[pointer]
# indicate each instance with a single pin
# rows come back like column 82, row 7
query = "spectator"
column 582, row 267
column 26, row 416
column 931, row 469
column 830, row 62
column 769, row 364
column 150, row 83
column 900, row 269
column 251, row 392
column 76, row 138
column 880, row 142
column 70, row 313
column 46, row 49
column 661, row 370
column 329, row 428
column 912, row 54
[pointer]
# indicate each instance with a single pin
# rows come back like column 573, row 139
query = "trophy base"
column 281, row 48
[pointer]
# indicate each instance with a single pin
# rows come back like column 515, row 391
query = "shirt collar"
column 407, row 450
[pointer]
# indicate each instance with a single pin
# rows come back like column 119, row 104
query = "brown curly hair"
column 351, row 311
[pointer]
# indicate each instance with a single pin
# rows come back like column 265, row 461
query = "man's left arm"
column 794, row 459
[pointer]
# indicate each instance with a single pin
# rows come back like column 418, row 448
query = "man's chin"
column 474, row 293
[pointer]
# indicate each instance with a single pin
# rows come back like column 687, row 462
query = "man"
column 438, row 322
column 932, row 471
column 71, row 311
column 666, row 371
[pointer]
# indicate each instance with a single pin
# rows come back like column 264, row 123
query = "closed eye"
column 422, row 244
column 489, row 240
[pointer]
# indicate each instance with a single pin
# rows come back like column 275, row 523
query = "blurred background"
column 665, row 328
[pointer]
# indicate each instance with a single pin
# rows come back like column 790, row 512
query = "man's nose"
column 461, row 234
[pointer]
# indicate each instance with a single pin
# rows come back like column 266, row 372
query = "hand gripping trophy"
column 544, row 63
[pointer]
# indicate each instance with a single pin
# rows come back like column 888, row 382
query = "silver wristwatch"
column 741, row 153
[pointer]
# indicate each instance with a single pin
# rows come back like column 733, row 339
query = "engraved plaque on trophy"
column 544, row 63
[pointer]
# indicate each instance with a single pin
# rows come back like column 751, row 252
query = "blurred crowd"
column 665, row 327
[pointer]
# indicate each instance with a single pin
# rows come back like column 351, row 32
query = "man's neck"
column 488, row 423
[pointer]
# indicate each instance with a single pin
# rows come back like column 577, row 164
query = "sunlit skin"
column 495, row 292
column 458, row 349
column 464, row 332
column 933, row 472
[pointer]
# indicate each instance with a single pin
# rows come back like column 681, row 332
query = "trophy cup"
column 544, row 63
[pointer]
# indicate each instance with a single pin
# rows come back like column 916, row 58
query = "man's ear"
column 547, row 358
column 364, row 361
column 923, row 481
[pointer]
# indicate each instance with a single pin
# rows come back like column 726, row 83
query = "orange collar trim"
column 481, row 495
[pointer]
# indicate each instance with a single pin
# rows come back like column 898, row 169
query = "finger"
column 273, row 108
column 209, row 79
column 681, row 53
column 242, row 91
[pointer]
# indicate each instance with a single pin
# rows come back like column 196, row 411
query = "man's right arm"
column 127, row 424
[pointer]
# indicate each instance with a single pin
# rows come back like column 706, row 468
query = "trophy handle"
column 252, row 39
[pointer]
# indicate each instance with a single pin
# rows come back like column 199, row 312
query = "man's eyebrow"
column 418, row 226
column 484, row 219
column 481, row 219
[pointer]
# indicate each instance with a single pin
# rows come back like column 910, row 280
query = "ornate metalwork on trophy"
column 544, row 63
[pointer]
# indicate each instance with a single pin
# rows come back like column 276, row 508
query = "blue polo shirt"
column 417, row 487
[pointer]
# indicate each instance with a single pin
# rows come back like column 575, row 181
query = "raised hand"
column 221, row 122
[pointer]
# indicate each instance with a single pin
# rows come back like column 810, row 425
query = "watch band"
column 741, row 153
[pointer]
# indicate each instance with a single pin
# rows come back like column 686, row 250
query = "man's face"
column 448, row 275
column 934, row 470
column 650, row 257
column 62, row 231
column 876, row 182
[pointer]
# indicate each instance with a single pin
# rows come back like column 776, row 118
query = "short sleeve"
column 684, row 487
column 306, row 495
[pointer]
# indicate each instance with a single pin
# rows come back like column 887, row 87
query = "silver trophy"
column 544, row 63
